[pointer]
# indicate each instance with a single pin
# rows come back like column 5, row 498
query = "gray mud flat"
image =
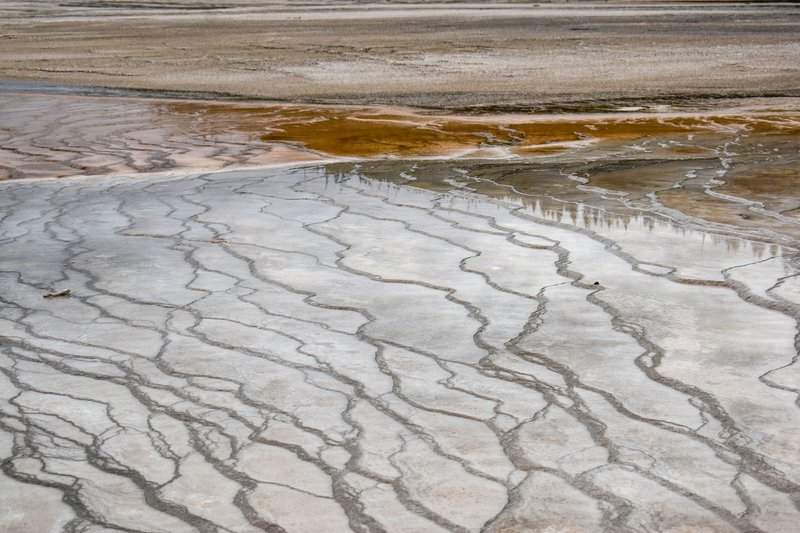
column 310, row 349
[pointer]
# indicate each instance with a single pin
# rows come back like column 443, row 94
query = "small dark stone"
column 596, row 283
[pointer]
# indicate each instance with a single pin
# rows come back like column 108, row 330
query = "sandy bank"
column 441, row 55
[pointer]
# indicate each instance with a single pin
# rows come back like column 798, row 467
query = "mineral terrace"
column 502, row 311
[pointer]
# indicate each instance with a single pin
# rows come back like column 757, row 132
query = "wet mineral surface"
column 248, row 316
column 395, row 345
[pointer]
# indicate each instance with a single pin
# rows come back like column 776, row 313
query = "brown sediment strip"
column 52, row 136
column 376, row 131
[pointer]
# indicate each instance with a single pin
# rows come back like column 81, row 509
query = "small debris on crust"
column 57, row 294
column 596, row 283
column 220, row 241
